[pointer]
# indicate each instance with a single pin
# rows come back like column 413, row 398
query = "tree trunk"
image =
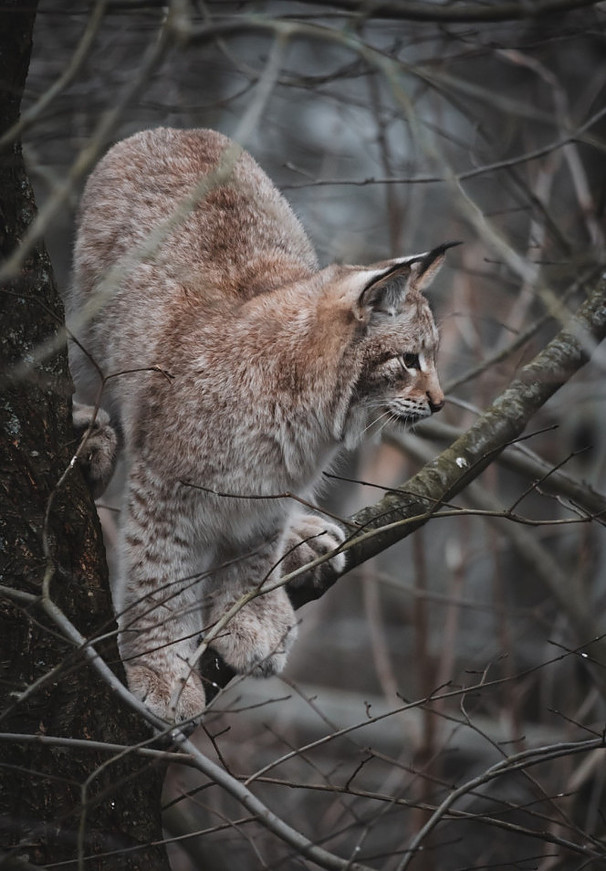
column 56, row 805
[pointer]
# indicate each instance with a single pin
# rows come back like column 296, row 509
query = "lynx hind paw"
column 310, row 537
column 257, row 638
column 175, row 700
column 98, row 458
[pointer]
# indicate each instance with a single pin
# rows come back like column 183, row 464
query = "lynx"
column 239, row 369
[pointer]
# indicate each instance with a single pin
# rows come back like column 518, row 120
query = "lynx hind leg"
column 157, row 596
column 309, row 537
column 98, row 458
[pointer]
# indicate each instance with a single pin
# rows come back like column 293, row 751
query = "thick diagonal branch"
column 404, row 510
column 450, row 472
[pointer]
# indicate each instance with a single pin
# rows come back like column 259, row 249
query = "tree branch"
column 449, row 473
column 442, row 13
column 500, row 424
column 451, row 13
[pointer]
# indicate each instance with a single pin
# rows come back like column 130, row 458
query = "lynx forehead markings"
column 246, row 369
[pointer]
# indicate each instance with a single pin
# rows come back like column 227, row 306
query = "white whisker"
column 392, row 418
column 376, row 421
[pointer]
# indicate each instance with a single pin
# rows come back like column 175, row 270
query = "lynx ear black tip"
column 442, row 248
column 435, row 253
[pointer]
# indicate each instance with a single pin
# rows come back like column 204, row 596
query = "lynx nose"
column 435, row 405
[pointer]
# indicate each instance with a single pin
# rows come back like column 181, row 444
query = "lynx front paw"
column 172, row 699
column 310, row 537
column 256, row 640
column 98, row 456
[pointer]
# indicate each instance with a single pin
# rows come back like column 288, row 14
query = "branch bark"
column 556, row 482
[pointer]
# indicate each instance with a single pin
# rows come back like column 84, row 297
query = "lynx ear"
column 388, row 287
column 385, row 292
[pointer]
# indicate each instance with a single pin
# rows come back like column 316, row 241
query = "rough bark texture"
column 45, row 816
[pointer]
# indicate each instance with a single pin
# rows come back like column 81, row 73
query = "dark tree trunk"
column 46, row 814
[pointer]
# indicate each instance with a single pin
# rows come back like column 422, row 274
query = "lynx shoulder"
column 238, row 369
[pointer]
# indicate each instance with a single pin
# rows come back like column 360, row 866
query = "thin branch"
column 452, row 813
column 516, row 762
column 90, row 154
column 575, row 134
column 439, row 13
column 505, row 353
column 460, row 13
column 521, row 459
column 31, row 115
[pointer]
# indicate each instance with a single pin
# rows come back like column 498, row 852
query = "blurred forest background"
column 392, row 128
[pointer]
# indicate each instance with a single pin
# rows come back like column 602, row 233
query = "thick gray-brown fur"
column 239, row 366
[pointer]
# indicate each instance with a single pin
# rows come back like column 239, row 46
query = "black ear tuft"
column 435, row 254
column 425, row 268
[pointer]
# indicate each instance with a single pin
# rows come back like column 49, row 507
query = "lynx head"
column 390, row 362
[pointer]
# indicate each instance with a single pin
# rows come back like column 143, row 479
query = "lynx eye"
column 410, row 361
